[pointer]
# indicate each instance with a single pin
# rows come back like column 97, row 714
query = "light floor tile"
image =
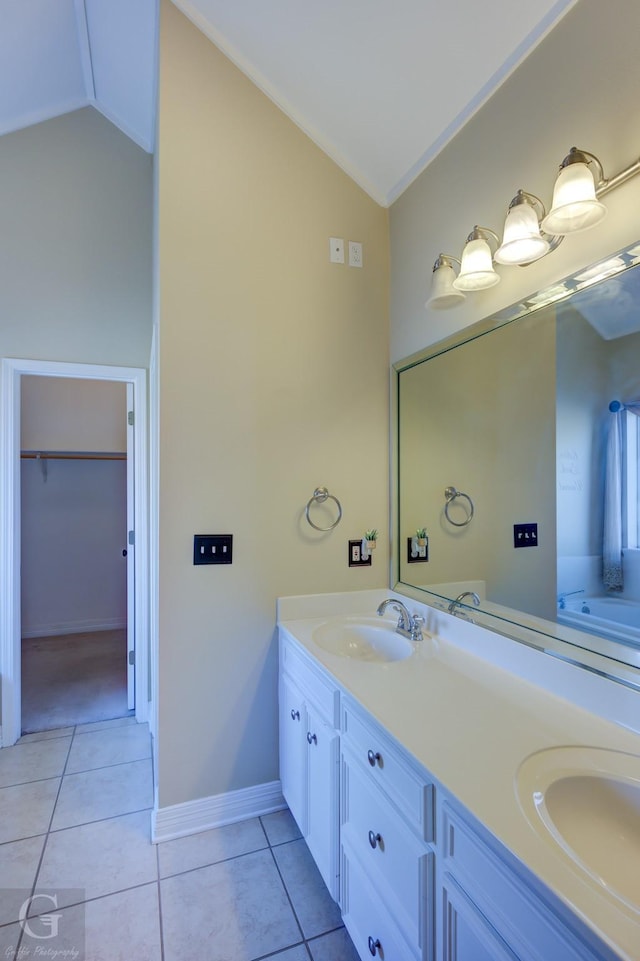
column 116, row 745
column 26, row 809
column 208, row 847
column 33, row 761
column 119, row 927
column 280, row 827
column 299, row 953
column 105, row 793
column 9, row 941
column 18, row 865
column 336, row 946
column 316, row 910
column 46, row 735
column 105, row 725
column 101, row 857
column 232, row 910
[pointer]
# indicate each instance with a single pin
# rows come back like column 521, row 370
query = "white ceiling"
column 380, row 87
column 59, row 55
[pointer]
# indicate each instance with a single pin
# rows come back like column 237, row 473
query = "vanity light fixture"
column 476, row 269
column 529, row 232
column 443, row 293
column 575, row 204
column 522, row 242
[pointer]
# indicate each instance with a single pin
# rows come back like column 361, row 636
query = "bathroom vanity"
column 446, row 797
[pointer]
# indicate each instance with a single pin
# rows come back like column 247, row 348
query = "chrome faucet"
column 409, row 625
column 561, row 598
column 453, row 606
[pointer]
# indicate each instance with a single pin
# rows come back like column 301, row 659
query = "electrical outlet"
column 212, row 548
column 336, row 250
column 355, row 254
column 415, row 553
column 355, row 555
column 525, row 535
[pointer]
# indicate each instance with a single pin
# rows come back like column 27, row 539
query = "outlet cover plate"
column 355, row 555
column 336, row 250
column 422, row 553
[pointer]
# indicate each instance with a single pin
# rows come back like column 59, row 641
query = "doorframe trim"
column 12, row 370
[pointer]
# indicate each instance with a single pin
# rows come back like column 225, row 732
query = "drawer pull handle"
column 295, row 715
column 311, row 738
column 372, row 757
column 374, row 839
column 374, row 946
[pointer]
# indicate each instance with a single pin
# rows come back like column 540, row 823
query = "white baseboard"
column 76, row 627
column 191, row 817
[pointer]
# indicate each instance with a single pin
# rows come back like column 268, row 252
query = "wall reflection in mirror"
column 515, row 414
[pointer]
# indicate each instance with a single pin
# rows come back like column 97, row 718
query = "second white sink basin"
column 363, row 638
column 586, row 802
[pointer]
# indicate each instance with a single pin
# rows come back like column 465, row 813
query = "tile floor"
column 75, row 823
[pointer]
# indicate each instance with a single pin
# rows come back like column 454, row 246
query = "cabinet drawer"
column 516, row 912
column 384, row 764
column 372, row 929
column 315, row 685
column 394, row 858
column 466, row 935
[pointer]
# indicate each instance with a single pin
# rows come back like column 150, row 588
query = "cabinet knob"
column 372, row 757
column 295, row 715
column 311, row 738
column 374, row 946
column 374, row 839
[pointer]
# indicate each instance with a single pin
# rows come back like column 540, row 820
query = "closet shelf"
column 71, row 455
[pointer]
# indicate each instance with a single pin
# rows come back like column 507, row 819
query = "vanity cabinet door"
column 293, row 750
column 466, row 936
column 323, row 751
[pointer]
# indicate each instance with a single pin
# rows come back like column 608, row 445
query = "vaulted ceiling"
column 380, row 87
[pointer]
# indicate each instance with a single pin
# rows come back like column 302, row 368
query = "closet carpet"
column 73, row 679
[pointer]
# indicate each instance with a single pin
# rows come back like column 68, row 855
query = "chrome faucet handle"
column 418, row 623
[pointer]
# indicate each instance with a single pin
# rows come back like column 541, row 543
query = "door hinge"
column 132, row 537
column 130, row 418
column 132, row 657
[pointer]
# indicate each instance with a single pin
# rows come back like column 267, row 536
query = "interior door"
column 130, row 548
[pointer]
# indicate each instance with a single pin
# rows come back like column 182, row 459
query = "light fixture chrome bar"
column 620, row 178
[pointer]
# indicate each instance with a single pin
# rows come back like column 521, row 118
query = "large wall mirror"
column 518, row 450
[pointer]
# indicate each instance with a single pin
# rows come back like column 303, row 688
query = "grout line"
column 286, row 891
column 110, row 817
column 209, row 864
column 104, row 767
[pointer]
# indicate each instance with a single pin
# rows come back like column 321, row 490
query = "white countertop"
column 470, row 706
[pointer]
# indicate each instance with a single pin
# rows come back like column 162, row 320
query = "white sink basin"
column 586, row 803
column 363, row 638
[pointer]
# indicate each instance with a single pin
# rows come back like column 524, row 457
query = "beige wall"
column 273, row 380
column 579, row 87
column 75, row 245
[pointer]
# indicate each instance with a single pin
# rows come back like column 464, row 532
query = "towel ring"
column 451, row 494
column 320, row 495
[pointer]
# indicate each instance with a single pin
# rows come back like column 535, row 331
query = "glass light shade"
column 575, row 206
column 476, row 272
column 443, row 293
column 521, row 241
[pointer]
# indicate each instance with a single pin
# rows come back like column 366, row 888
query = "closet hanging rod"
column 70, row 455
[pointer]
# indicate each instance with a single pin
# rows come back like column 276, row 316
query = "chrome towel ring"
column 320, row 495
column 451, row 494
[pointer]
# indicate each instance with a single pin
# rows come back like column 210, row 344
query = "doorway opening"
column 74, row 617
